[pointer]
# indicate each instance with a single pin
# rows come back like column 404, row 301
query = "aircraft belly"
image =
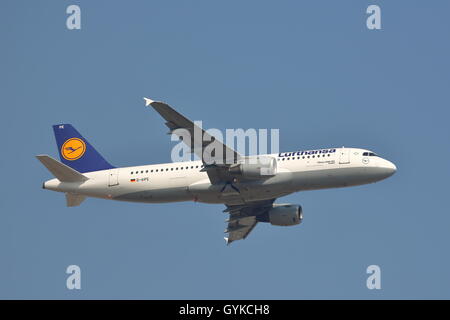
column 175, row 194
column 242, row 192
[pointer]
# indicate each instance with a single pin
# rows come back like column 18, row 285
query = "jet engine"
column 283, row 215
column 255, row 168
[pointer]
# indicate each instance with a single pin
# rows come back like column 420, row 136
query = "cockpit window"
column 369, row 154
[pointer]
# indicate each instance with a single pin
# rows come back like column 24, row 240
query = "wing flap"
column 243, row 218
column 240, row 228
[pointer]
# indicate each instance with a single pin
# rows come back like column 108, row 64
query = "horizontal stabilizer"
column 73, row 200
column 62, row 172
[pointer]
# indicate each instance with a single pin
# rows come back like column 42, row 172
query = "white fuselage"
column 183, row 181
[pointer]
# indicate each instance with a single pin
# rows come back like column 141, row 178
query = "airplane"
column 247, row 188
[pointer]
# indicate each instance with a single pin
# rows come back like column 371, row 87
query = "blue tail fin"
column 76, row 152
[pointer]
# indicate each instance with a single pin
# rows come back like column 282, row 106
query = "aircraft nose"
column 389, row 167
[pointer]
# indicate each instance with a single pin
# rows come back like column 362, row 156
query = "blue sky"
column 309, row 68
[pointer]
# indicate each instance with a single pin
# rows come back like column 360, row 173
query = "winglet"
column 227, row 241
column 148, row 101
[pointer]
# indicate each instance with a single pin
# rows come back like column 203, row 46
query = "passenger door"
column 113, row 179
column 344, row 157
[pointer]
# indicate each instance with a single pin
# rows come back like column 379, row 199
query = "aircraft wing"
column 243, row 219
column 218, row 171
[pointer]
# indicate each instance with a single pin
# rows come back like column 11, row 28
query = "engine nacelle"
column 259, row 167
column 283, row 215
